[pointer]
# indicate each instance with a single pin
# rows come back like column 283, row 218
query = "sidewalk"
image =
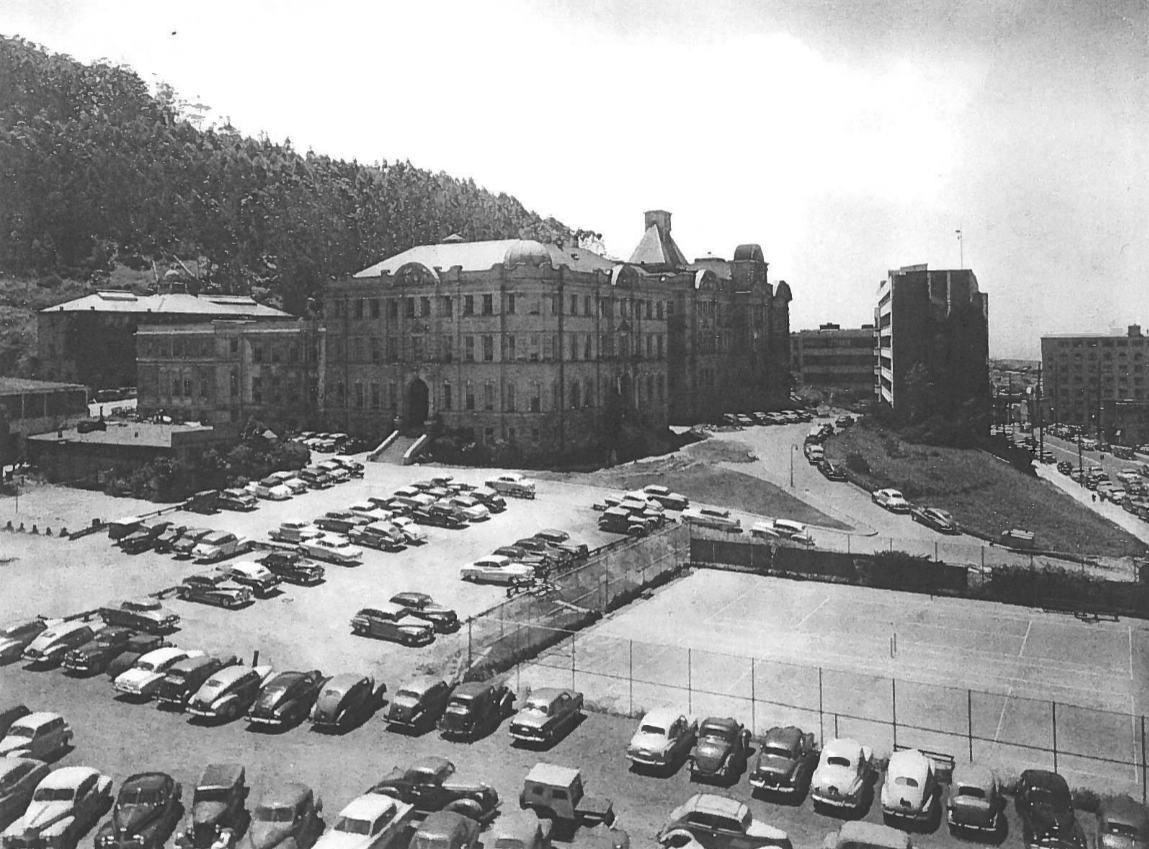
column 1110, row 511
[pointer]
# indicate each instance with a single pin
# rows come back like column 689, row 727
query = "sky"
column 846, row 138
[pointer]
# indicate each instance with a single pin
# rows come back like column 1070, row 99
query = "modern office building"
column 835, row 357
column 933, row 345
column 1098, row 381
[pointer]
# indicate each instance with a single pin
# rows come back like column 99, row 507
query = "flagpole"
column 961, row 248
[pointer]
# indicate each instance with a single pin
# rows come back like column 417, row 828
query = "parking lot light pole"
column 793, row 448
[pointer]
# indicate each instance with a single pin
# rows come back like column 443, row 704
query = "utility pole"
column 1099, row 438
column 1009, row 409
column 961, row 248
column 1040, row 415
column 1080, row 463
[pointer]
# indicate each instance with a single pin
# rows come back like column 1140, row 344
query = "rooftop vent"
column 117, row 296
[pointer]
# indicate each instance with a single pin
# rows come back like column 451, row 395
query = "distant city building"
column 835, row 357
column 933, row 345
column 91, row 340
column 28, row 407
column 1098, row 381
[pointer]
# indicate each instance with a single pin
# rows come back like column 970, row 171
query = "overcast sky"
column 846, row 138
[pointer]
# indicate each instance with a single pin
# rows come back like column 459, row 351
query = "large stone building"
column 91, row 340
column 1098, row 381
column 933, row 345
column 834, row 357
column 549, row 348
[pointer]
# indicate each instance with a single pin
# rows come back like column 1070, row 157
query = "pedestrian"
column 1094, row 496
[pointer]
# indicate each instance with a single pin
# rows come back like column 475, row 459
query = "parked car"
column 143, row 538
column 446, row 830
column 218, row 545
column 786, row 761
column 51, row 645
column 911, row 793
column 561, row 542
column 120, row 528
column 833, row 470
column 381, row 535
column 476, row 707
column 205, row 501
column 975, row 801
column 219, row 812
column 815, row 453
column 64, row 805
column 867, row 835
column 238, row 500
column 288, row 814
column 663, row 740
column 168, row 538
column 410, row 530
column 95, row 655
column 520, row 830
column 440, row 516
column 16, row 637
column 185, row 543
column 782, row 529
column 1065, row 467
column 421, row 605
column 293, row 567
column 214, row 588
column 1018, row 538
column 1046, row 811
column 143, row 679
column 418, row 704
column 19, row 778
column 721, row 750
column 392, row 622
column 341, row 521
column 663, row 495
column 844, row 775
column 333, row 549
column 141, row 614
column 294, row 532
column 184, row 678
column 496, row 570
column 892, row 500
column 316, row 478
column 512, row 484
column 718, row 822
column 548, row 713
column 936, row 518
column 287, row 698
column 491, row 499
column 9, row 714
column 258, row 578
column 472, row 508
column 1122, row 823
column 39, row 735
column 273, row 489
column 146, row 812
column 137, row 647
column 346, row 700
column 426, row 784
column 712, row 517
column 369, row 822
column 229, row 693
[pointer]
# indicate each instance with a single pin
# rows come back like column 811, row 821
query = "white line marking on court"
column 1001, row 719
column 1025, row 639
column 805, row 618
column 723, row 608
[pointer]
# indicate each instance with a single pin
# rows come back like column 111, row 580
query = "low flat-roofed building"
column 832, row 356
column 29, row 407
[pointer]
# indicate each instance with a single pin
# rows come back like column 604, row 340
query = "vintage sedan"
column 369, row 822
column 167, row 538
column 393, row 622
column 214, row 588
column 547, row 714
column 521, row 830
column 423, row 606
column 669, row 500
column 9, row 714
column 218, row 545
column 663, row 740
column 141, row 614
column 289, row 815
column 718, row 822
column 489, row 498
column 936, row 518
column 721, row 750
column 1122, row 823
column 786, row 760
column 185, row 677
column 188, row 540
column 410, row 530
column 333, row 549
column 15, row 638
column 257, row 577
column 294, row 532
column 137, row 647
column 911, row 793
column 229, row 693
column 19, row 778
column 712, row 517
column 496, row 570
column 476, row 707
column 294, row 568
column 287, row 698
column 144, row 679
column 418, row 704
column 380, row 535
column 867, row 835
column 219, row 812
column 1046, row 810
column 52, row 644
column 40, row 735
column 446, row 830
column 471, row 507
column 832, row 470
column 512, row 484
column 427, row 785
column 892, row 500
column 95, row 655
column 65, row 804
column 346, row 700
column 145, row 814
column 843, row 778
column 975, row 800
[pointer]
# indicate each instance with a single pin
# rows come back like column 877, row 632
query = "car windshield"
column 458, row 707
column 54, row 794
column 266, row 814
column 1041, row 796
column 177, row 676
column 350, row 825
column 22, row 731
column 777, row 750
column 146, row 665
column 652, row 729
column 538, row 705
column 407, row 695
column 139, row 796
column 971, row 792
column 212, row 794
column 838, row 760
column 430, row 841
column 716, row 735
column 906, row 781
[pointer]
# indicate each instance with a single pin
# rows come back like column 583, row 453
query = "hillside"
column 97, row 173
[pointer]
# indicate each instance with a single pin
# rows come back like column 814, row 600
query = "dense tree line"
column 94, row 169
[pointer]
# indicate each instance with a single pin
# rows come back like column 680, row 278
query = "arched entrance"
column 417, row 404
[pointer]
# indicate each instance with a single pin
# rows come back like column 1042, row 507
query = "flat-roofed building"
column 835, row 357
column 28, row 407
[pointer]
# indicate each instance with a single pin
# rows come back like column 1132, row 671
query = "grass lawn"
column 984, row 493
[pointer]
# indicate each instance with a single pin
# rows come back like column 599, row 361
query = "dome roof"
column 526, row 252
column 748, row 252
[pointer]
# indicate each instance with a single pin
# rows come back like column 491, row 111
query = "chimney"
column 658, row 218
column 1135, row 331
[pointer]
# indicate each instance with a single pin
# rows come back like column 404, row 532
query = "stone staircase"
column 394, row 452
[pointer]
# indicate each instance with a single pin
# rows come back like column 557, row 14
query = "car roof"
column 288, row 794
column 230, row 674
column 788, row 735
column 147, row 781
column 162, row 654
column 1043, row 778
column 66, row 776
column 412, row 595
column 712, row 803
column 344, row 681
column 723, row 723
column 221, row 775
column 369, row 806
column 910, row 763
column 432, row 765
column 35, row 719
column 560, row 776
column 843, row 747
column 664, row 716
column 548, row 693
column 193, row 662
column 444, row 824
column 421, row 684
column 471, row 689
column 872, row 834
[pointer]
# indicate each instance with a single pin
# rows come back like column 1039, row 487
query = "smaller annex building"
column 29, row 407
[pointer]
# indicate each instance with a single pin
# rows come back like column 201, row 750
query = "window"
column 649, row 345
column 410, row 311
column 587, row 306
column 359, row 308
column 468, row 305
column 447, row 400
column 376, row 396
column 555, row 395
column 534, row 348
column 556, row 305
column 469, row 348
column 393, row 309
column 586, row 346
column 574, row 346
column 548, row 347
column 257, row 353
column 470, row 403
column 359, row 394
column 536, row 396
column 276, row 354
column 588, row 395
column 256, row 390
column 509, row 354
column 488, row 304
column 448, row 349
column 510, row 303
column 488, row 349
column 417, row 348
column 489, row 435
column 574, row 304
column 648, row 306
column 338, row 307
column 489, row 395
column 669, row 308
column 536, row 307
column 425, row 307
column 187, row 387
column 447, row 307
column 576, row 395
column 234, row 383
column 510, row 399
column 234, row 346
column 659, row 346
column 374, row 307
column 376, row 354
column 393, row 395
column 659, row 311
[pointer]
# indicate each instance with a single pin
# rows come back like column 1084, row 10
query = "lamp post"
column 793, row 448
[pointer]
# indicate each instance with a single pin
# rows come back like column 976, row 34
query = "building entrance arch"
column 418, row 404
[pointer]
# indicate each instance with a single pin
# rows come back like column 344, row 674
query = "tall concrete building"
column 933, row 345
column 835, row 357
column 1098, row 382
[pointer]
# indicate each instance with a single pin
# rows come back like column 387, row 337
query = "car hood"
column 530, row 719
column 1051, row 822
column 710, row 753
column 267, row 834
column 7, row 644
column 138, row 678
column 9, row 745
column 649, row 742
column 841, row 777
column 341, row 840
column 132, row 818
column 40, row 815
column 206, row 813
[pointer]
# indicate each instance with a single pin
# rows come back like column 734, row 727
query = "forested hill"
column 97, row 171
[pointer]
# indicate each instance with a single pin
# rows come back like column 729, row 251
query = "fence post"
column 936, row 560
column 753, row 724
column 891, row 545
column 821, row 713
column 689, row 682
column 848, row 544
column 630, row 675
column 969, row 720
column 573, row 634
column 894, row 708
column 1144, row 791
column 1054, row 704
column 469, row 623
column 836, row 725
column 983, row 558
